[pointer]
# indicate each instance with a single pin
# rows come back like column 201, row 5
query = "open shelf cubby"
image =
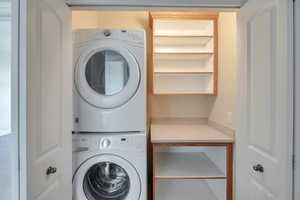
column 196, row 189
column 194, row 83
column 186, row 165
column 202, row 170
column 183, row 63
column 186, row 162
column 182, row 25
column 183, row 44
column 184, row 53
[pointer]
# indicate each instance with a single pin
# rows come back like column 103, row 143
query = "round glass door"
column 106, row 181
column 107, row 75
column 106, row 177
column 107, row 72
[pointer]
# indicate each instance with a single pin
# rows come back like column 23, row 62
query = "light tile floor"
column 5, row 167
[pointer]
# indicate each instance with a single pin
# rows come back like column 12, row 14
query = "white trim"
column 296, row 190
column 149, row 9
column 23, row 15
column 5, row 10
column 142, row 4
column 13, row 7
column 291, row 93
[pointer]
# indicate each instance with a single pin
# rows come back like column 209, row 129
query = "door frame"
column 22, row 57
column 296, row 193
column 13, row 17
column 20, row 46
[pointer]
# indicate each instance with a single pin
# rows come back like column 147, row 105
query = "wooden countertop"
column 186, row 131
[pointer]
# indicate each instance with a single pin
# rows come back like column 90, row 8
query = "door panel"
column 49, row 100
column 261, row 71
column 264, row 134
column 50, row 75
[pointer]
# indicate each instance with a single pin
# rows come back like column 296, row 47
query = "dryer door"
column 107, row 75
column 106, row 177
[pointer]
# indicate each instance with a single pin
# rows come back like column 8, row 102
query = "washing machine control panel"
column 104, row 143
column 96, row 142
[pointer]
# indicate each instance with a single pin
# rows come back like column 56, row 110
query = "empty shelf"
column 185, row 36
column 181, row 51
column 183, row 63
column 183, row 27
column 186, row 165
column 183, row 84
column 187, row 190
column 181, row 72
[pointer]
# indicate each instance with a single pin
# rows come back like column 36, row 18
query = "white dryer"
column 110, row 80
column 109, row 166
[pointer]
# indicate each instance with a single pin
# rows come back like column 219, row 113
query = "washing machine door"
column 106, row 177
column 107, row 75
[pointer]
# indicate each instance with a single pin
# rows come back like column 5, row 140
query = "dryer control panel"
column 132, row 35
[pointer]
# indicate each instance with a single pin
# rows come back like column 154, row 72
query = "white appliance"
column 109, row 166
column 110, row 80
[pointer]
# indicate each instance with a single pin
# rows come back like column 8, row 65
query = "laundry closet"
column 216, row 103
column 192, row 69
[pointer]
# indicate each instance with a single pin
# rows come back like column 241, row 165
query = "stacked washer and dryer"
column 109, row 140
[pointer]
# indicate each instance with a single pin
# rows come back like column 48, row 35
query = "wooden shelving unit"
column 197, row 169
column 190, row 157
column 184, row 53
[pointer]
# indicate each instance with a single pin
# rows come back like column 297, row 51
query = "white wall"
column 182, row 106
column 5, row 69
column 84, row 19
column 223, row 106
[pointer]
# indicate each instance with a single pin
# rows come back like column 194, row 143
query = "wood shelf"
column 185, row 36
column 186, row 72
column 185, row 165
column 183, row 52
column 182, row 93
column 182, row 39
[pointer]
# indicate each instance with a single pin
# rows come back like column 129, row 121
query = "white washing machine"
column 110, row 80
column 109, row 166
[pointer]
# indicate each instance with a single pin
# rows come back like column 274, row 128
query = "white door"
column 264, row 135
column 49, row 100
